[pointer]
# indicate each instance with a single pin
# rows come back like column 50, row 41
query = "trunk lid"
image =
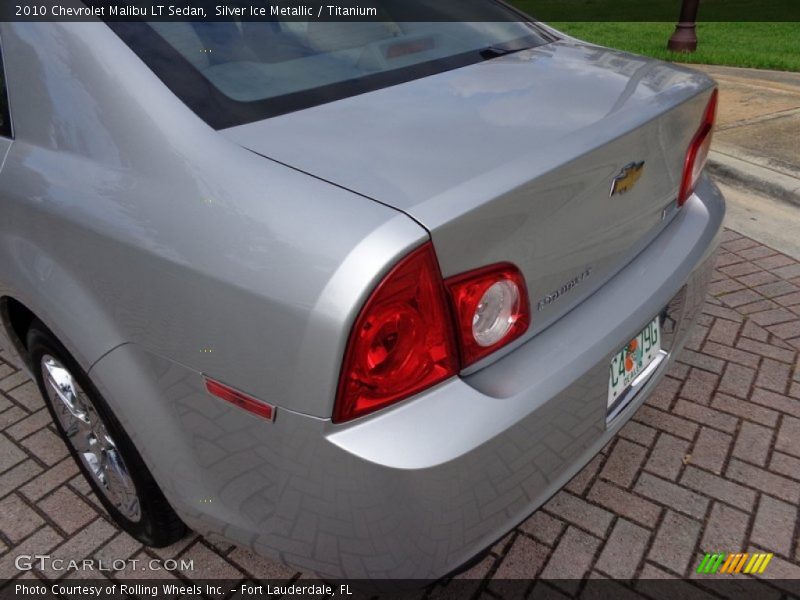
column 512, row 160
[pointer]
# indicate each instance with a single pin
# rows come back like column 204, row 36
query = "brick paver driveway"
column 710, row 463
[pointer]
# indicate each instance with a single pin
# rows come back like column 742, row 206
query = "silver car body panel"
column 160, row 251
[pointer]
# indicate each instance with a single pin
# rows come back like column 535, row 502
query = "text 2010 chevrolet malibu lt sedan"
column 358, row 296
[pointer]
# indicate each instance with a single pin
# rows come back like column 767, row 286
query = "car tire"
column 99, row 445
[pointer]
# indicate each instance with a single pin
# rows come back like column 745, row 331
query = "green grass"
column 756, row 44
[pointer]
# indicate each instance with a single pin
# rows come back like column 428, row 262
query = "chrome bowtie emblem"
column 626, row 178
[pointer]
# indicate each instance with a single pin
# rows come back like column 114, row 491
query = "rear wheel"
column 104, row 452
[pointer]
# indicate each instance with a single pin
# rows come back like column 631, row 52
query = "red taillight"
column 402, row 341
column 240, row 399
column 698, row 151
column 491, row 309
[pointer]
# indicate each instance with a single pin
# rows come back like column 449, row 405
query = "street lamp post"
column 684, row 39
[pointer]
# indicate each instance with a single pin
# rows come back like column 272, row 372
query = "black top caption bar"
column 392, row 10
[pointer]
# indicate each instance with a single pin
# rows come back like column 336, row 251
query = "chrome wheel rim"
column 87, row 434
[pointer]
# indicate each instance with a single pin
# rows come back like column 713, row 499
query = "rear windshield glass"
column 234, row 72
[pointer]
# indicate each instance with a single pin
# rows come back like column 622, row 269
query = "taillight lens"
column 491, row 309
column 402, row 341
column 697, row 154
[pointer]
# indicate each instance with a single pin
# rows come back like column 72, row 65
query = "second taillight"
column 697, row 153
column 491, row 309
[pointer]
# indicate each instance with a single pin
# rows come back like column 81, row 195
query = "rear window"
column 234, row 72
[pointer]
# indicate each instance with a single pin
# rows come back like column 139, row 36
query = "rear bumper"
column 414, row 491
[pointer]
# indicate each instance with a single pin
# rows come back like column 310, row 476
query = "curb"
column 755, row 177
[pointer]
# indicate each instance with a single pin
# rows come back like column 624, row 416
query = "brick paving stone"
column 773, row 375
column 665, row 422
column 28, row 396
column 572, row 557
column 710, row 449
column 777, row 288
column 745, row 296
column 665, row 393
column 17, row 519
column 10, row 453
column 790, row 271
column 624, row 550
column 773, row 317
column 29, row 424
column 756, row 307
column 758, row 278
column 785, row 465
column 674, row 543
column 736, row 380
column 699, row 386
column 739, row 244
column 789, row 299
column 543, row 527
column 779, row 402
column 624, row 503
column 725, row 530
column 702, row 361
column 579, row 512
column 756, row 252
column 49, row 479
column 671, row 495
column 786, row 330
column 724, row 332
column 702, row 414
column 523, row 560
column 12, row 381
column 766, row 350
column 45, row 445
column 636, row 432
column 754, row 332
column 772, row 528
column 772, row 484
column 774, row 262
column 719, row 488
column 753, row 443
column 725, row 286
column 16, row 476
column 726, row 258
column 788, row 435
column 696, row 337
column 667, row 456
column 732, row 354
column 723, row 313
column 67, row 510
column 678, row 370
column 746, row 410
column 623, row 463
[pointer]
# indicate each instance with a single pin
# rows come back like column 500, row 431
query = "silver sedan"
column 358, row 296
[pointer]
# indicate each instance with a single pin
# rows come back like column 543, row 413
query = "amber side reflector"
column 248, row 403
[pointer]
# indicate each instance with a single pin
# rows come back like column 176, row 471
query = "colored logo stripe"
column 734, row 563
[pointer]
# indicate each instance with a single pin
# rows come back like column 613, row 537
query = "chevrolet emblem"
column 627, row 178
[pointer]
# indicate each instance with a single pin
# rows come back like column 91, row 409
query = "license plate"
column 633, row 360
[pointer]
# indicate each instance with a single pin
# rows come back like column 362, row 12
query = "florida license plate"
column 633, row 360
